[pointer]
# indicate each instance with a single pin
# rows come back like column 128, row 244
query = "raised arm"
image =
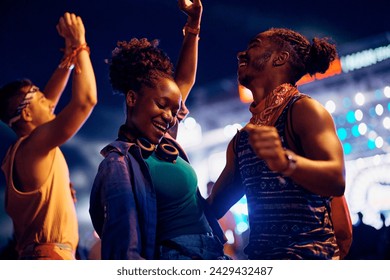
column 185, row 73
column 56, row 85
column 188, row 59
column 84, row 97
column 59, row 79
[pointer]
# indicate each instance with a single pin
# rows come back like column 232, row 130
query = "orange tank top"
column 46, row 215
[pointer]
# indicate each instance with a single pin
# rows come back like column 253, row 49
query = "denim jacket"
column 123, row 204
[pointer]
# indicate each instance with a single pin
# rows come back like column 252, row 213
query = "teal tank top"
column 179, row 210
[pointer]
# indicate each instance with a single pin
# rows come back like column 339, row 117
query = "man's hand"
column 71, row 27
column 265, row 142
column 193, row 9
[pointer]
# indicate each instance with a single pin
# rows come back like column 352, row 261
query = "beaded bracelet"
column 70, row 61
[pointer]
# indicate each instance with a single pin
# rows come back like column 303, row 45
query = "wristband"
column 292, row 163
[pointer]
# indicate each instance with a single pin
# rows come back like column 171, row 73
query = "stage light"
column 190, row 123
column 347, row 102
column 386, row 123
column 342, row 133
column 378, row 94
column 229, row 236
column 330, row 106
column 351, row 117
column 371, row 144
column 347, row 148
column 242, row 227
column 355, row 131
column 230, row 130
column 379, row 109
column 189, row 133
column 386, row 91
column 362, row 128
column 358, row 115
column 372, row 134
column 379, row 142
column 372, row 113
column 360, row 99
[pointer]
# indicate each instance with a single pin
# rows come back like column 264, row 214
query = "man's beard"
column 258, row 65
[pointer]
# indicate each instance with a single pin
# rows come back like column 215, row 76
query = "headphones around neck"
column 165, row 151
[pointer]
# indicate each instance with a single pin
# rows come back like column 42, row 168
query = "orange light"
column 305, row 79
column 245, row 94
column 334, row 69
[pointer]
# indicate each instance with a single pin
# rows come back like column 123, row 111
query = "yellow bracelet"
column 188, row 29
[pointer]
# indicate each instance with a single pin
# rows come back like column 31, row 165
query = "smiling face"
column 253, row 62
column 152, row 111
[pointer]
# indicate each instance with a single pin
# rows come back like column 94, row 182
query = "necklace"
column 270, row 108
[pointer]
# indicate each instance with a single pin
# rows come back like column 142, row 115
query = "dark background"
column 29, row 44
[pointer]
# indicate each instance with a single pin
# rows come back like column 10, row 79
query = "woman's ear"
column 131, row 98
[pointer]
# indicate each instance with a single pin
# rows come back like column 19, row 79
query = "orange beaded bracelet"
column 70, row 60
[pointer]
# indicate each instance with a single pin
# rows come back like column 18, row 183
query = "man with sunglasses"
column 38, row 197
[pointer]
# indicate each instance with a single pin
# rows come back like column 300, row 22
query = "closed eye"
column 254, row 43
column 159, row 105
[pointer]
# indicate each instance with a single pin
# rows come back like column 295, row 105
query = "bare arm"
column 84, row 97
column 188, row 58
column 185, row 73
column 342, row 224
column 59, row 79
column 321, row 171
column 228, row 188
column 37, row 151
column 56, row 85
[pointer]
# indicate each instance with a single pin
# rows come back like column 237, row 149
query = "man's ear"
column 131, row 98
column 281, row 58
column 26, row 115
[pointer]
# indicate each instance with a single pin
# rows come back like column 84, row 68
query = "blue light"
column 351, row 117
column 347, row 102
column 347, row 148
column 371, row 144
column 388, row 106
column 378, row 94
column 342, row 133
column 340, row 120
column 355, row 130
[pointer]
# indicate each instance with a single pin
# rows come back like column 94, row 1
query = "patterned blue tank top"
column 286, row 221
